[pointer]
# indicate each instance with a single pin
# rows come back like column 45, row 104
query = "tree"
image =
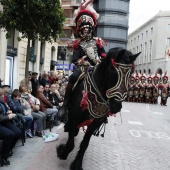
column 43, row 19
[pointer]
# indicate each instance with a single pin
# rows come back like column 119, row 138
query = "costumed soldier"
column 155, row 90
column 136, row 87
column 142, row 87
column 149, row 87
column 165, row 88
column 131, row 88
column 87, row 50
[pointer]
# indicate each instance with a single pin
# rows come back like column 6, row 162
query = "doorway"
column 9, row 71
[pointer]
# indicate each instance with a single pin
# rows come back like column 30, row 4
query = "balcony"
column 75, row 3
column 69, row 22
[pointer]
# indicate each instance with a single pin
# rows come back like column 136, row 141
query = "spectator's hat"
column 34, row 73
column 3, row 86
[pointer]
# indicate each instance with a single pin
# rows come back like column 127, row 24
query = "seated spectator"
column 6, row 89
column 54, row 96
column 46, row 106
column 32, row 107
column 16, row 107
column 9, row 133
column 27, row 82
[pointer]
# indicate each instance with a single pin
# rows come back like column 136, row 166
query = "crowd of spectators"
column 36, row 98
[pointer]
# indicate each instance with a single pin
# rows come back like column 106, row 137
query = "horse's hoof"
column 75, row 166
column 60, row 152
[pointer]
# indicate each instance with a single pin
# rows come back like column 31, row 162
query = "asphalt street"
column 138, row 138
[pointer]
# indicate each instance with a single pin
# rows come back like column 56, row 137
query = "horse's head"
column 119, row 66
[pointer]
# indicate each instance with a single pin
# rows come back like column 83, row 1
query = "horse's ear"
column 133, row 57
column 120, row 53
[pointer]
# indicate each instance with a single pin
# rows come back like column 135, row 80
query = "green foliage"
column 42, row 18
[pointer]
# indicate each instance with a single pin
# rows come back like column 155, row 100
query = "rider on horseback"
column 88, row 50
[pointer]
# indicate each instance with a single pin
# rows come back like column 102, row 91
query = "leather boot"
column 63, row 110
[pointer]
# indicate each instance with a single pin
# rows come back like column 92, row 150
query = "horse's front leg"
column 64, row 149
column 77, row 163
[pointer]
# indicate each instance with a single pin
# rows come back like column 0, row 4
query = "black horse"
column 109, row 86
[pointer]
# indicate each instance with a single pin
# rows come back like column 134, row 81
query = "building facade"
column 43, row 57
column 152, row 39
column 113, row 22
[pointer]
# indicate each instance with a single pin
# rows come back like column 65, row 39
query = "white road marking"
column 125, row 110
column 135, row 123
column 149, row 134
column 158, row 113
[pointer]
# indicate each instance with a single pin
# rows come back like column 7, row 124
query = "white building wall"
column 154, row 32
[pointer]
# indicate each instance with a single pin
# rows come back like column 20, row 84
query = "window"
column 137, row 50
column 138, row 38
column 152, row 30
column 150, row 51
column 142, row 36
column 131, row 42
column 141, row 53
column 146, row 33
column 168, row 27
column 134, row 40
column 168, row 41
column 145, row 53
column 53, row 53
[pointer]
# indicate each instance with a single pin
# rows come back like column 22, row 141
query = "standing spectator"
column 44, row 80
column 55, row 97
column 46, row 91
column 35, row 83
column 32, row 106
column 1, row 82
column 52, row 77
column 9, row 133
column 27, row 82
column 45, row 105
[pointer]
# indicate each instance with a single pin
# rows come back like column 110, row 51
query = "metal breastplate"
column 90, row 49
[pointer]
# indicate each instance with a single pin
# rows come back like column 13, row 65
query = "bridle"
column 123, row 71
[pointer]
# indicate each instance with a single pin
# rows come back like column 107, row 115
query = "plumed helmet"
column 156, row 76
column 137, row 75
column 165, row 75
column 132, row 78
column 150, row 77
column 143, row 76
column 85, row 17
